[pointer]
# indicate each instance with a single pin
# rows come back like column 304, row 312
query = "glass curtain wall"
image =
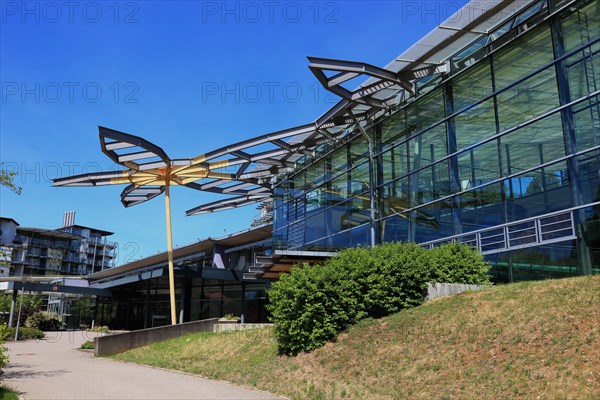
column 514, row 135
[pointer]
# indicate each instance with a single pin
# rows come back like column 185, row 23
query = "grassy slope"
column 527, row 340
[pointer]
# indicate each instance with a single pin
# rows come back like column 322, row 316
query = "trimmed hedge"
column 312, row 304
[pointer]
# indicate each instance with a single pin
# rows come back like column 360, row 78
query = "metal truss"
column 245, row 170
column 231, row 170
column 382, row 79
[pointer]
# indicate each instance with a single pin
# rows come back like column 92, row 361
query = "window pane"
column 358, row 150
column 395, row 163
column 472, row 85
column 538, row 192
column 428, row 147
column 480, row 208
column 339, row 189
column 433, row 221
column 395, row 229
column 475, row 125
column 430, row 183
column 587, row 18
column 528, row 99
column 425, row 111
column 526, row 54
column 315, row 174
column 359, row 179
column 315, row 199
column 588, row 169
column 584, row 72
column 360, row 237
column 479, row 165
column 587, row 123
column 395, row 197
column 393, row 129
column 533, row 145
column 339, row 160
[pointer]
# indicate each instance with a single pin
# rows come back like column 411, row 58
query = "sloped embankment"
column 527, row 340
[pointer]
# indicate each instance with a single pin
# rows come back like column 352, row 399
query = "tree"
column 7, row 179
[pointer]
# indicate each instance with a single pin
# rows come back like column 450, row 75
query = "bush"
column 101, row 329
column 3, row 350
column 312, row 304
column 25, row 333
column 45, row 321
column 88, row 345
column 459, row 263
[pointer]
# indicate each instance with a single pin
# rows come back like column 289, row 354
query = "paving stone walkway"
column 54, row 368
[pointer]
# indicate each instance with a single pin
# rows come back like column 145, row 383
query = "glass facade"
column 502, row 152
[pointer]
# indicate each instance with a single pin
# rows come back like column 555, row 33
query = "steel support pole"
column 372, row 192
column 19, row 316
column 13, row 304
column 170, row 253
column 371, row 178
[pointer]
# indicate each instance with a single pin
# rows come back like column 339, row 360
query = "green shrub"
column 459, row 263
column 312, row 304
column 88, row 345
column 25, row 333
column 45, row 321
column 101, row 329
column 3, row 350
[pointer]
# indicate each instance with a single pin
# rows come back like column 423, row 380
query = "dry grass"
column 535, row 340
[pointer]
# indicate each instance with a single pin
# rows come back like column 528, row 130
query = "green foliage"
column 101, row 329
column 7, row 179
column 312, row 304
column 3, row 350
column 7, row 394
column 25, row 333
column 31, row 304
column 88, row 345
column 458, row 263
column 45, row 321
column 230, row 317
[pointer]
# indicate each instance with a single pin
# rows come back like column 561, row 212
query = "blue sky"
column 190, row 76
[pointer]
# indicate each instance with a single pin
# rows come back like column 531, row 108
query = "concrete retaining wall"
column 220, row 327
column 435, row 290
column 118, row 343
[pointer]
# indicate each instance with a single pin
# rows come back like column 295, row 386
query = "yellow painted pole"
column 170, row 254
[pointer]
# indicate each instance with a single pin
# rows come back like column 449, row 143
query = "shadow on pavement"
column 18, row 370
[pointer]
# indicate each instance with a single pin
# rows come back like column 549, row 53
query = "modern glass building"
column 498, row 147
column 486, row 132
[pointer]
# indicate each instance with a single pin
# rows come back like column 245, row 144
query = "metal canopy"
column 245, row 170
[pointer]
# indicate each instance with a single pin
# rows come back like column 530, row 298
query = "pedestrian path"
column 54, row 368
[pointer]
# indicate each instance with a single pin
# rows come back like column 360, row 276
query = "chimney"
column 68, row 218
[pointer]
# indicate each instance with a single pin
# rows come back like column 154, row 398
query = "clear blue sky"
column 189, row 76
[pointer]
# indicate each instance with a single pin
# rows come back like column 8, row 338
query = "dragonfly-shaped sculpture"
column 149, row 172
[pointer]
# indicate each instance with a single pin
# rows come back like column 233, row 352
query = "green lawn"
column 528, row 340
